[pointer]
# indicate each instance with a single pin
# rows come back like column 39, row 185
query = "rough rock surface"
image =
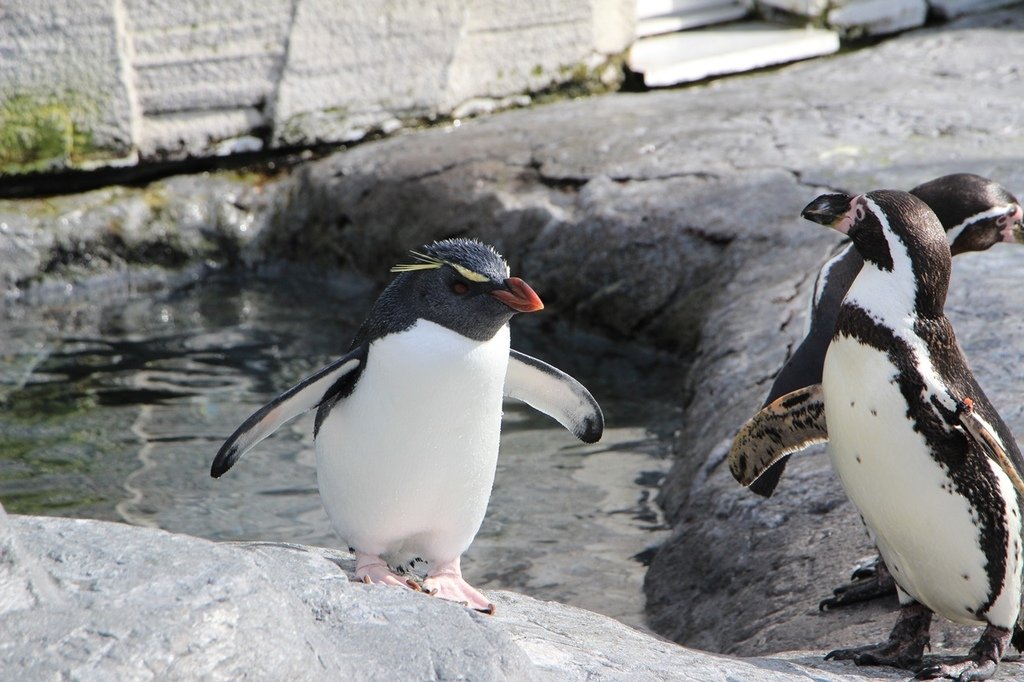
column 23, row 584
column 670, row 218
column 127, row 237
column 135, row 603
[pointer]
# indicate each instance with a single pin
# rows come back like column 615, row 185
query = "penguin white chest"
column 405, row 464
column 926, row 531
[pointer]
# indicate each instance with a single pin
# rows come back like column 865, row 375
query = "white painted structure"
column 681, row 41
column 95, row 82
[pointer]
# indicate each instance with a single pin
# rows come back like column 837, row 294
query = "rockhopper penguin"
column 976, row 213
column 407, row 423
column 922, row 454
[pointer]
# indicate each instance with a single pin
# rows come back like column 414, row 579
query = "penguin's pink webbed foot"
column 445, row 581
column 373, row 570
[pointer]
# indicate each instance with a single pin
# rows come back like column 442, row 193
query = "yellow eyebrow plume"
column 428, row 262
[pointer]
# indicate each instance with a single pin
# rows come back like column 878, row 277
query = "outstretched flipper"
column 310, row 392
column 986, row 437
column 787, row 425
column 556, row 394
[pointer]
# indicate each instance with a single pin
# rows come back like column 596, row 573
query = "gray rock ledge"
column 105, row 601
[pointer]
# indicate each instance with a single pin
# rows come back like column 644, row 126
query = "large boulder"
column 137, row 603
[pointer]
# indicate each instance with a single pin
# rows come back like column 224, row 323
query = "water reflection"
column 114, row 410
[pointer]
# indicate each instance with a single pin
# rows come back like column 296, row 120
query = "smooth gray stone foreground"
column 132, row 603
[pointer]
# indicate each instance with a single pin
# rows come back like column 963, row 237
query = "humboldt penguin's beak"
column 827, row 209
column 519, row 296
column 830, row 210
column 1014, row 230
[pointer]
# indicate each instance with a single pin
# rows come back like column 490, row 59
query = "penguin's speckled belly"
column 406, row 463
column 925, row 530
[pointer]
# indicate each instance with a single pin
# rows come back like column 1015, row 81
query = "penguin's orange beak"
column 519, row 296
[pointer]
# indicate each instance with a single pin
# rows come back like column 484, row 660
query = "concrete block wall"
column 101, row 82
column 65, row 91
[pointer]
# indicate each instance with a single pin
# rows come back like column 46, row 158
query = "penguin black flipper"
column 789, row 424
column 337, row 378
column 556, row 394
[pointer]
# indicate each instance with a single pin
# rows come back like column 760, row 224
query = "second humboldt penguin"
column 922, row 454
column 407, row 422
column 977, row 213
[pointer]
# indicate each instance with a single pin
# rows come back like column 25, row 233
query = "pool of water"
column 113, row 409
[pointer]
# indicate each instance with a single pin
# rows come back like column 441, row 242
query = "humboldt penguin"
column 932, row 468
column 976, row 212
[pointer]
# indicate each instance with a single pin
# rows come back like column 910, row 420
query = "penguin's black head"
column 849, row 215
column 897, row 233
column 976, row 212
column 461, row 284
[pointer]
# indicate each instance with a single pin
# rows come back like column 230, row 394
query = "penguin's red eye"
column 460, row 288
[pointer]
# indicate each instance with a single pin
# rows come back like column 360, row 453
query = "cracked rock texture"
column 670, row 219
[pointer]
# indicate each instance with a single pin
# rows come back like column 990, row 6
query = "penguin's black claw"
column 893, row 654
column 869, row 582
column 905, row 647
column 980, row 664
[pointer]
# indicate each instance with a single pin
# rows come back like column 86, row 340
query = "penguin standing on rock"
column 976, row 213
column 922, row 454
column 408, row 421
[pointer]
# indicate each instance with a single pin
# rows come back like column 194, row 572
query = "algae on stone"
column 40, row 133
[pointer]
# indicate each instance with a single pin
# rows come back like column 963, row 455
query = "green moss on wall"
column 38, row 133
column 580, row 80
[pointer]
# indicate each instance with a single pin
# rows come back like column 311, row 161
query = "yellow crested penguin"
column 407, row 423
